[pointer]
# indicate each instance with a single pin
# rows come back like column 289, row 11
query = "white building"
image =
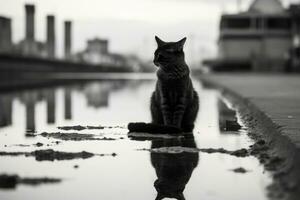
column 259, row 39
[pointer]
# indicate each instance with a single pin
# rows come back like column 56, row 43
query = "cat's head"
column 168, row 53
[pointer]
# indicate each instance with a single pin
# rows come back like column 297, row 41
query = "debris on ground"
column 76, row 128
column 258, row 147
column 237, row 153
column 73, row 136
column 240, row 170
column 149, row 136
column 11, row 181
column 153, row 128
column 95, row 127
column 80, row 128
column 21, row 145
column 51, row 155
column 180, row 149
column 30, row 135
column 172, row 150
column 39, row 144
column 232, row 125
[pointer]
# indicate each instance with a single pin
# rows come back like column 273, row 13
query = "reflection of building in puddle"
column 97, row 94
column 68, row 103
column 5, row 110
column 227, row 118
column 30, row 99
column 49, row 95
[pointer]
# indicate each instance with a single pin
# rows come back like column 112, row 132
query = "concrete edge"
column 281, row 157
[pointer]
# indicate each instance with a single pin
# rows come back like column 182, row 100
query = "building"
column 68, row 39
column 5, row 35
column 29, row 46
column 295, row 52
column 97, row 53
column 50, row 43
column 260, row 39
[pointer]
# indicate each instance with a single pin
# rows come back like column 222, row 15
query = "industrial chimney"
column 68, row 39
column 50, row 36
column 5, row 34
column 29, row 22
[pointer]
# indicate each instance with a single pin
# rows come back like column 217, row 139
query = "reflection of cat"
column 174, row 101
column 173, row 170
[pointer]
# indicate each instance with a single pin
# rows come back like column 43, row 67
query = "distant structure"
column 295, row 52
column 260, row 39
column 5, row 35
column 50, row 36
column 68, row 39
column 97, row 52
column 29, row 46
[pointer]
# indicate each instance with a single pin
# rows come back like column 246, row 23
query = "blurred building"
column 50, row 43
column 295, row 51
column 97, row 53
column 97, row 95
column 68, row 40
column 259, row 39
column 29, row 46
column 5, row 35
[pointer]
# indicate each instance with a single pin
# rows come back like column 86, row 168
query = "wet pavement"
column 104, row 163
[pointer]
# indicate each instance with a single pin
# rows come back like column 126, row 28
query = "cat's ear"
column 159, row 41
column 181, row 42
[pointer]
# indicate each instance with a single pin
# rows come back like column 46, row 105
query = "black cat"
column 174, row 101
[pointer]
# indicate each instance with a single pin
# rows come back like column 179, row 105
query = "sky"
column 130, row 25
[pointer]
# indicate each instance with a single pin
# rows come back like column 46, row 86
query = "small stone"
column 30, row 135
column 114, row 154
column 240, row 153
column 261, row 142
column 240, row 170
column 39, row 144
column 76, row 166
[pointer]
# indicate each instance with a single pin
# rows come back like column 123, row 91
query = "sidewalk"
column 276, row 95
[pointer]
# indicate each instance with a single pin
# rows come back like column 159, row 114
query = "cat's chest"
column 173, row 95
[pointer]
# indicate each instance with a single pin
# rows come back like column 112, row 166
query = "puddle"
column 78, row 118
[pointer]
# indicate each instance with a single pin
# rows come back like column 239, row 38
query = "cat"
column 174, row 101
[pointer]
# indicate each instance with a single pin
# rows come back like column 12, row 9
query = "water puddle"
column 121, row 167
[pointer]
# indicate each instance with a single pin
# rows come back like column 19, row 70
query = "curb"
column 281, row 156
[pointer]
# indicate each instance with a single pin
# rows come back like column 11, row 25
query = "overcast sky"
column 130, row 25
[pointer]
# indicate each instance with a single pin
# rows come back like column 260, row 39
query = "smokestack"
column 29, row 22
column 51, row 36
column 68, row 39
column 5, row 34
